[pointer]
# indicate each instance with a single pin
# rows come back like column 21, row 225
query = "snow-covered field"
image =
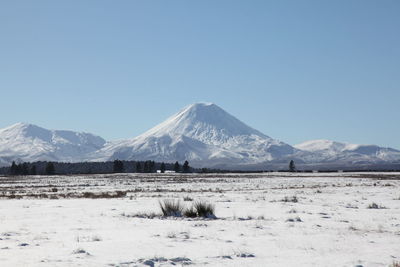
column 78, row 221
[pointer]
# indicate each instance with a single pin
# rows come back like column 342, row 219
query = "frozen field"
column 271, row 219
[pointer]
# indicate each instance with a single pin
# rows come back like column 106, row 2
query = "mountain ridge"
column 340, row 151
column 28, row 142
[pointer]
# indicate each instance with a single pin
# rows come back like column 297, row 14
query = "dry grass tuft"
column 205, row 210
column 190, row 212
column 290, row 199
column 373, row 205
column 171, row 208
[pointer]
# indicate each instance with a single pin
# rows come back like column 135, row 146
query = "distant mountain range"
column 27, row 142
column 202, row 133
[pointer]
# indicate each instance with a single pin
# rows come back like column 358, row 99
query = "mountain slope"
column 27, row 142
column 331, row 151
column 204, row 134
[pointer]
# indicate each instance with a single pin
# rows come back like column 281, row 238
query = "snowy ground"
column 51, row 221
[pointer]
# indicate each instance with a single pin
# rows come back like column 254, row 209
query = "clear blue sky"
column 295, row 70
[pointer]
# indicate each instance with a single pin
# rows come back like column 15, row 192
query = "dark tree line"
column 116, row 166
column 28, row 169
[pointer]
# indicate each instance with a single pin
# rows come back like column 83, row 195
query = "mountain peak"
column 201, row 108
column 202, row 104
column 21, row 125
column 23, row 129
column 206, row 122
column 322, row 144
column 202, row 133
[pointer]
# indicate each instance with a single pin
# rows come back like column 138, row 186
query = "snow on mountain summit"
column 204, row 134
column 205, row 122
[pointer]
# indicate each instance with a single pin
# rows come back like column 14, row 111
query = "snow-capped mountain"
column 204, row 134
column 27, row 142
column 331, row 151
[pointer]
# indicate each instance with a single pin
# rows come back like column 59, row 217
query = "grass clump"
column 171, row 208
column 204, row 209
column 174, row 208
column 373, row 205
column 290, row 199
column 190, row 212
column 296, row 219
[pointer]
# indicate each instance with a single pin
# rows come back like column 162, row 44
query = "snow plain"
column 50, row 221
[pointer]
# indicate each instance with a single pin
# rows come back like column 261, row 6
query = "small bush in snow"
column 290, row 199
column 245, row 255
column 296, row 219
column 373, row 205
column 171, row 208
column 205, row 209
column 80, row 251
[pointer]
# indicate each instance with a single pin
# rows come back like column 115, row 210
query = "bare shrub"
column 171, row 208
